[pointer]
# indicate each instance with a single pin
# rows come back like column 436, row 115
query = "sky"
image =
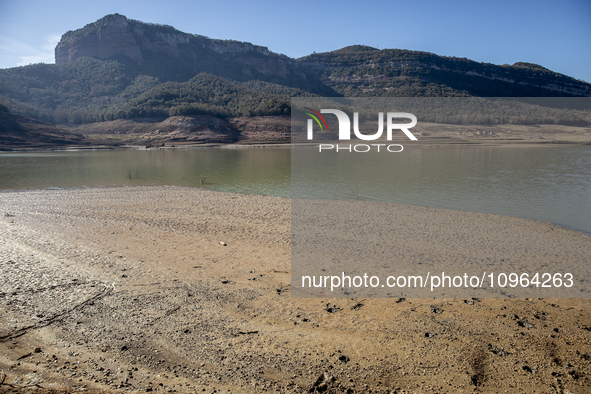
column 554, row 34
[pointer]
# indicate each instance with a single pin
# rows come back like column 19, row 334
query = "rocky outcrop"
column 115, row 35
column 198, row 129
column 263, row 129
column 169, row 54
column 104, row 39
column 235, row 47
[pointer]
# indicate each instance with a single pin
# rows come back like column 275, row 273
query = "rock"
column 322, row 383
column 107, row 37
column 37, row 350
column 332, row 309
column 540, row 315
column 223, row 243
column 343, row 358
column 576, row 375
column 496, row 350
column 527, row 369
column 525, row 324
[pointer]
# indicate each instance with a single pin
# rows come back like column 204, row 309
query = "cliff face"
column 118, row 68
column 116, row 35
column 169, row 54
column 104, row 39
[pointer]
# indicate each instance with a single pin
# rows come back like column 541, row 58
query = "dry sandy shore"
column 129, row 289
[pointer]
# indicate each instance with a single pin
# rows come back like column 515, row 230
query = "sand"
column 172, row 289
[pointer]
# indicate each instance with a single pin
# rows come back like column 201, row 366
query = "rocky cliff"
column 170, row 54
column 103, row 39
column 116, row 35
column 118, row 68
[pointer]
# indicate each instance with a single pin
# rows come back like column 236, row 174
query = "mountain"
column 122, row 69
column 364, row 71
column 170, row 55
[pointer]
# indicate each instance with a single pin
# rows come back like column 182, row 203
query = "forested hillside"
column 118, row 68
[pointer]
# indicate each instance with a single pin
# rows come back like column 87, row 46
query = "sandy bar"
column 441, row 252
column 170, row 288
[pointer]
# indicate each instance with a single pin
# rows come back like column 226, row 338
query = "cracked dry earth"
column 129, row 290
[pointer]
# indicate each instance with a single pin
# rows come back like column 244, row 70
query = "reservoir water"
column 550, row 183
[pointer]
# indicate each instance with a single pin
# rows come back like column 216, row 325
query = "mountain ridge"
column 120, row 68
column 172, row 55
column 519, row 79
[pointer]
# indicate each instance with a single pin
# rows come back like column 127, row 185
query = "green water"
column 253, row 171
column 552, row 184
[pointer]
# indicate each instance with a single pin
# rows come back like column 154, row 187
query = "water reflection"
column 255, row 171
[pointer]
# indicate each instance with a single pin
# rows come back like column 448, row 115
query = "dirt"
column 172, row 289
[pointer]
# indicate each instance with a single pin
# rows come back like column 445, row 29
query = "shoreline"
column 587, row 233
column 429, row 134
column 49, row 189
column 423, row 143
column 129, row 289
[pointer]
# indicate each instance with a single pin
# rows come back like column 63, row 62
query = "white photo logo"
column 345, row 129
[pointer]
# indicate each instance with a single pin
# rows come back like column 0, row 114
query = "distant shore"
column 258, row 133
column 424, row 143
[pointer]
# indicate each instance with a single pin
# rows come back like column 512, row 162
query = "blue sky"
column 555, row 34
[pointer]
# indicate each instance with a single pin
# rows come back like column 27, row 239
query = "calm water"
column 552, row 184
column 545, row 183
column 252, row 171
